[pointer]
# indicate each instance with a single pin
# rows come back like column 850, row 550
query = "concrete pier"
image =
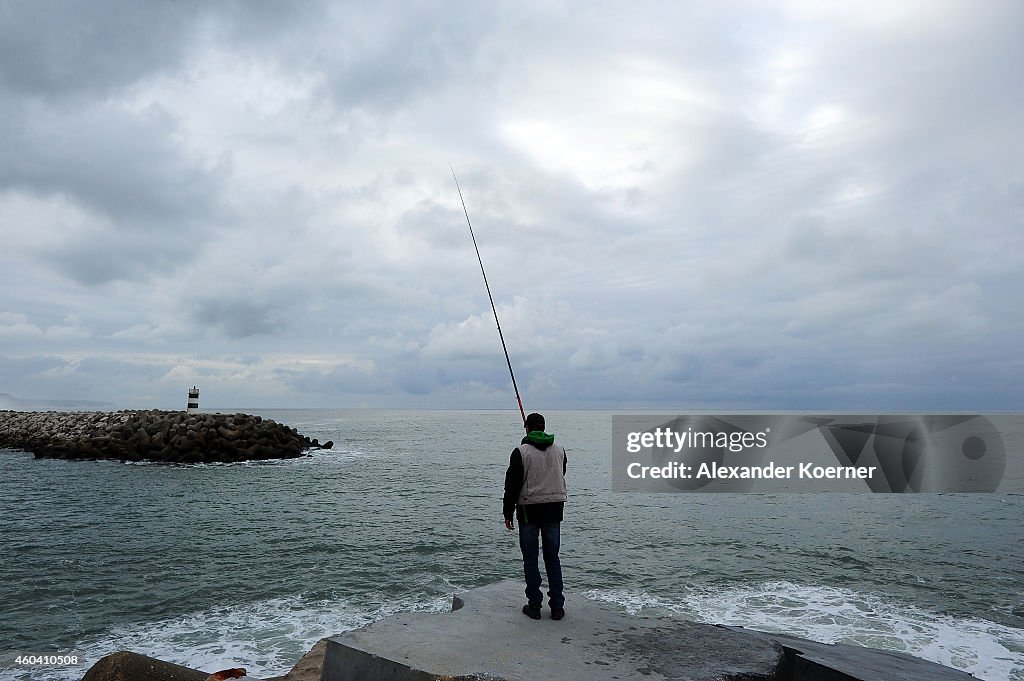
column 486, row 637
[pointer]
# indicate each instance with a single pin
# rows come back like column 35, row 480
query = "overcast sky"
column 747, row 205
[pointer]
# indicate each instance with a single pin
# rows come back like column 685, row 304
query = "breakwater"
column 154, row 435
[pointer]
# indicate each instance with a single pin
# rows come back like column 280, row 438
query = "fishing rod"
column 504, row 347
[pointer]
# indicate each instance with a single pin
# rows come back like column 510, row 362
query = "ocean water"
column 216, row 566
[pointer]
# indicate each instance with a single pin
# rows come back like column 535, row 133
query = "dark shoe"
column 532, row 611
column 557, row 613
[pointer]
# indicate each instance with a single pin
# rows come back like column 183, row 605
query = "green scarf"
column 538, row 438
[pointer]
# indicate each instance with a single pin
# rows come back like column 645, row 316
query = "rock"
column 149, row 435
column 126, row 666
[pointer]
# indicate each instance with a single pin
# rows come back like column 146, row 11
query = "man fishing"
column 535, row 493
column 534, row 483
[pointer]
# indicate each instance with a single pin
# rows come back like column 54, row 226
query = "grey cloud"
column 52, row 48
column 435, row 225
column 117, row 370
column 238, row 318
column 122, row 164
column 378, row 59
column 16, row 368
column 101, row 257
column 141, row 200
column 126, row 382
column 340, row 379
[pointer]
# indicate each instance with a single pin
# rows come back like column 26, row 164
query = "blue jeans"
column 528, row 536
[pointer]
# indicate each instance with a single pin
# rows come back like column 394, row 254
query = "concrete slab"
column 812, row 661
column 489, row 637
column 486, row 637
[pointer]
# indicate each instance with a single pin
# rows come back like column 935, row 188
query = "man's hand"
column 508, row 524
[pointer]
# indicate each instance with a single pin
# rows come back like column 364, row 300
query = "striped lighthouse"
column 193, row 400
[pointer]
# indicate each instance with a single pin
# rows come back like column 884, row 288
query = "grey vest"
column 543, row 480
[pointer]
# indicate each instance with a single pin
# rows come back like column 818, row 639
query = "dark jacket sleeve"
column 513, row 484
